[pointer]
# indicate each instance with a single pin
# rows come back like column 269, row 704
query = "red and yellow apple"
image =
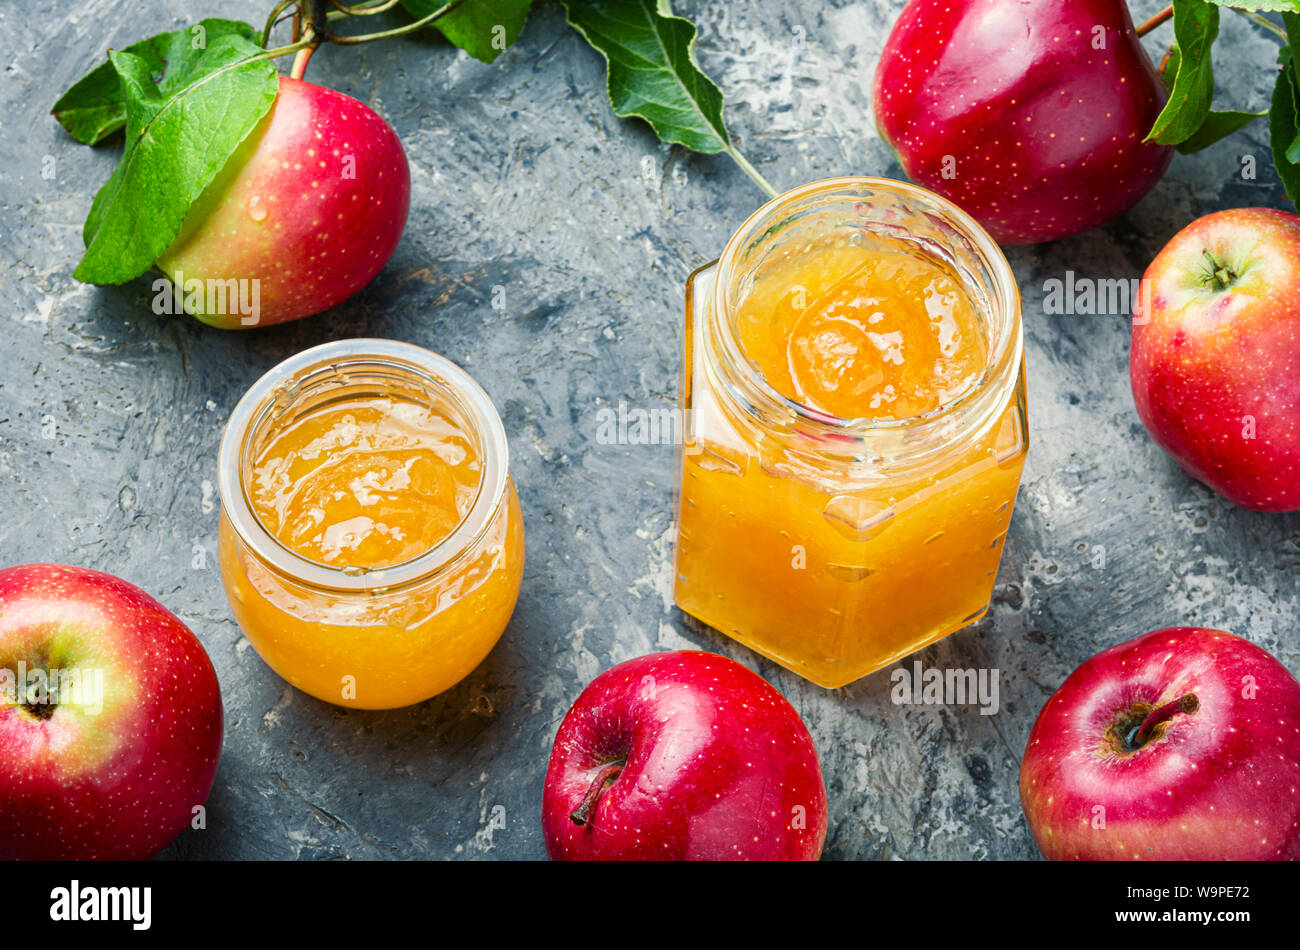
column 1215, row 359
column 306, row 212
column 110, row 718
column 1183, row 744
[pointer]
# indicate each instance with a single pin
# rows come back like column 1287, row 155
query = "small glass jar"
column 370, row 638
column 836, row 546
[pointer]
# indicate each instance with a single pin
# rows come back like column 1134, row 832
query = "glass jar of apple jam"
column 855, row 427
column 371, row 542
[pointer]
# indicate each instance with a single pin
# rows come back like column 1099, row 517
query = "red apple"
column 1030, row 116
column 1215, row 361
column 310, row 207
column 113, row 764
column 1183, row 744
column 683, row 756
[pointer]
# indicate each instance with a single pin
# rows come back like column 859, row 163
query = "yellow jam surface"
column 864, row 331
column 371, row 484
column 831, row 580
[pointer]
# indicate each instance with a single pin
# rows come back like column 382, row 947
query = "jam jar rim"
column 758, row 396
column 438, row 371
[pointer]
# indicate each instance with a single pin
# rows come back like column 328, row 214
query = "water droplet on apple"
column 256, row 209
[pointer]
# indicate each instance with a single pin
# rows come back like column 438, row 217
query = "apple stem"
column 1184, row 704
column 300, row 62
column 582, row 814
column 315, row 30
column 1155, row 21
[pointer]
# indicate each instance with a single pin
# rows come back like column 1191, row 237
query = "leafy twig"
column 652, row 74
column 399, row 30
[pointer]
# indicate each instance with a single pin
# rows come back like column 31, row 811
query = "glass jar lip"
column 1006, row 291
column 457, row 384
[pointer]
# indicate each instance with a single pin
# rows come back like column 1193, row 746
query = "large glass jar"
column 832, row 545
column 370, row 636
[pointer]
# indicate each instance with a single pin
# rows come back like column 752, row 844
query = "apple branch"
column 400, row 30
column 361, row 9
column 1156, row 20
column 317, row 30
column 275, row 16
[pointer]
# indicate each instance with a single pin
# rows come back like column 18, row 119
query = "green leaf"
column 482, row 28
column 1169, row 66
column 1286, row 57
column 176, row 143
column 1196, row 24
column 93, row 108
column 1282, row 130
column 652, row 70
column 1292, row 151
column 1292, row 23
column 1217, row 125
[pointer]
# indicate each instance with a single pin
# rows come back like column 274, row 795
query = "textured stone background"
column 523, row 178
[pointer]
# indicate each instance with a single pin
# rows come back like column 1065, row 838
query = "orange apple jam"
column 377, row 549
column 849, row 505
column 864, row 330
column 368, row 483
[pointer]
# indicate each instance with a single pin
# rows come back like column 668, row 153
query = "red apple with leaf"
column 1183, row 744
column 262, row 198
column 110, row 718
column 309, row 209
column 1215, row 357
column 683, row 756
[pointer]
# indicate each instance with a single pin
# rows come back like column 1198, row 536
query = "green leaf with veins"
column 93, row 108
column 1196, row 24
column 1217, row 124
column 482, row 28
column 176, row 143
column 1286, row 57
column 652, row 70
column 1282, row 130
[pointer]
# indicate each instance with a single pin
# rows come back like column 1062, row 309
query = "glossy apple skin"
column 1211, row 367
column 123, row 783
column 1045, row 131
column 718, row 765
column 1220, row 784
column 311, row 206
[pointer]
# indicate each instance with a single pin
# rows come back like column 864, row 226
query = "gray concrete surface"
column 522, row 177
